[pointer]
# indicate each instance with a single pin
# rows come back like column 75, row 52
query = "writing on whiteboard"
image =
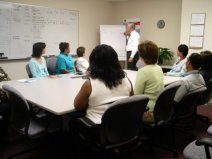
column 22, row 25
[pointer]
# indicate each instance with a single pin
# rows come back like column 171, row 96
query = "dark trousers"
column 132, row 65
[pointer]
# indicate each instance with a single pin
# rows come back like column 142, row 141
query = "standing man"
column 132, row 46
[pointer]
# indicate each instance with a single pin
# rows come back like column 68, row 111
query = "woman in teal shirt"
column 65, row 62
column 37, row 63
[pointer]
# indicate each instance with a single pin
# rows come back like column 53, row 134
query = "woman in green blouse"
column 149, row 79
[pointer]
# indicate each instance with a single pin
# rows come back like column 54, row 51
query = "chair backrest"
column 51, row 64
column 28, row 71
column 122, row 121
column 75, row 65
column 186, row 106
column 207, row 95
column 20, row 118
column 164, row 105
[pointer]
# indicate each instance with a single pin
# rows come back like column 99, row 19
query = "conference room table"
column 56, row 95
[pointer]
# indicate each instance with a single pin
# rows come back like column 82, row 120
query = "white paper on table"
column 77, row 76
column 26, row 80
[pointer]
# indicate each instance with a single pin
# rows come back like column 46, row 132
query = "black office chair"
column 1, row 119
column 21, row 120
column 51, row 64
column 36, row 110
column 77, row 70
column 4, row 108
column 120, row 124
column 4, row 119
column 200, row 148
column 164, row 104
column 207, row 95
column 75, row 65
column 204, row 99
column 210, row 130
column 184, row 110
column 28, row 71
column 186, row 106
column 162, row 113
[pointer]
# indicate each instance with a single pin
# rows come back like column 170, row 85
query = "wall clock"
column 161, row 24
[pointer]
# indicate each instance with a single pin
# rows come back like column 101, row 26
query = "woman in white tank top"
column 107, row 83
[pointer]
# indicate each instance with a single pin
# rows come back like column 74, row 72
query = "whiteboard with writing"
column 23, row 25
column 113, row 35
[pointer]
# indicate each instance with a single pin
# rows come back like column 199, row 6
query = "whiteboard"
column 113, row 35
column 23, row 25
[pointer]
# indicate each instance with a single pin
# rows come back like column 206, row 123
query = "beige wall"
column 196, row 6
column 96, row 12
column 92, row 14
column 150, row 11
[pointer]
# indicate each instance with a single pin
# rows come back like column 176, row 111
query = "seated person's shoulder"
column 43, row 59
column 158, row 67
column 69, row 56
column 32, row 60
column 84, row 59
column 149, row 69
column 142, row 70
column 60, row 58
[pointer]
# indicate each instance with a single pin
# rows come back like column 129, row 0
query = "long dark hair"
column 105, row 66
column 38, row 49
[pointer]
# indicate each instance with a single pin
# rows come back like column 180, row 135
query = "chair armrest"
column 77, row 114
column 146, row 109
column 86, row 122
column 204, row 142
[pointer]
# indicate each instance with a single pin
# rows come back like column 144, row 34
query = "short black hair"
column 148, row 51
column 206, row 60
column 104, row 65
column 183, row 49
column 37, row 49
column 196, row 60
column 63, row 46
column 206, row 52
column 80, row 51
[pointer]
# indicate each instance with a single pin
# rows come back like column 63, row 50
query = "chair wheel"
column 175, row 154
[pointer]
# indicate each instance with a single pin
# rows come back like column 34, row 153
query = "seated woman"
column 37, row 63
column 107, row 83
column 65, row 62
column 81, row 63
column 206, row 67
column 179, row 67
column 149, row 79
